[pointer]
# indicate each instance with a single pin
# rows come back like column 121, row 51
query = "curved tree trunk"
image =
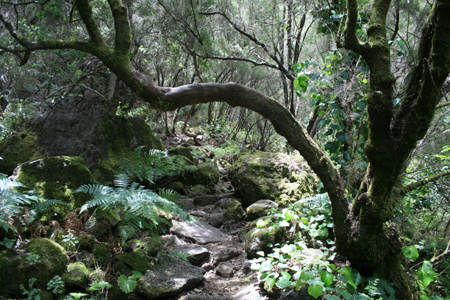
column 363, row 233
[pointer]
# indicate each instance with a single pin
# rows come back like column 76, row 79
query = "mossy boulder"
column 96, row 275
column 260, row 209
column 233, row 211
column 205, row 174
column 76, row 276
column 148, row 246
column 257, row 239
column 258, row 175
column 125, row 263
column 19, row 148
column 15, row 269
column 75, row 126
column 183, row 151
column 56, row 178
column 101, row 254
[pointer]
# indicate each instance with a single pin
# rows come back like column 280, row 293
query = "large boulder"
column 56, row 178
column 169, row 278
column 15, row 269
column 75, row 126
column 279, row 177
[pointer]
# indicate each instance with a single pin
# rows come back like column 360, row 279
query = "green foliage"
column 151, row 165
column 70, row 239
column 307, row 262
column 12, row 201
column 127, row 284
column 31, row 293
column 8, row 243
column 33, row 259
column 56, row 285
column 141, row 208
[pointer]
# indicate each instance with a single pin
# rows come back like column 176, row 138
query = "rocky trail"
column 214, row 245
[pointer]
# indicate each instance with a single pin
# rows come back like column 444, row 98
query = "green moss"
column 183, row 151
column 56, row 178
column 234, row 211
column 96, row 275
column 258, row 239
column 101, row 253
column 152, row 245
column 260, row 175
column 17, row 149
column 198, row 189
column 127, row 262
column 76, row 276
column 53, row 259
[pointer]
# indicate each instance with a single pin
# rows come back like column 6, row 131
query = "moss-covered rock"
column 197, row 190
column 149, row 246
column 178, row 187
column 258, row 239
column 234, row 211
column 125, row 263
column 15, row 269
column 76, row 276
column 260, row 209
column 101, row 254
column 101, row 221
column 56, row 178
column 183, row 151
column 17, row 149
column 96, row 275
column 258, row 175
column 75, row 126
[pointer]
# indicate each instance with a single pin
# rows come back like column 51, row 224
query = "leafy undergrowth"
column 311, row 261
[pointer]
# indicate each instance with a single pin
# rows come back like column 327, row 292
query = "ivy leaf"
column 270, row 283
column 348, row 276
column 288, row 249
column 315, row 290
column 266, row 266
column 410, row 252
column 261, row 223
column 326, row 277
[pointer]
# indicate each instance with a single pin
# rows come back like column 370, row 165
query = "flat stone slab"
column 197, row 254
column 199, row 233
column 169, row 278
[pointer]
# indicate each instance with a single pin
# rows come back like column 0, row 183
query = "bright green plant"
column 149, row 166
column 56, row 285
column 31, row 293
column 33, row 259
column 141, row 208
column 127, row 284
column 97, row 288
column 70, row 239
column 12, row 202
column 8, row 243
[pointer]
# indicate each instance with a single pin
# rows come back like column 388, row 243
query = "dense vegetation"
column 358, row 88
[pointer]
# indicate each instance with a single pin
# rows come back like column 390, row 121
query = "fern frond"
column 169, row 194
column 122, row 181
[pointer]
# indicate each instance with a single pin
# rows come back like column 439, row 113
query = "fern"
column 153, row 164
column 13, row 201
column 142, row 208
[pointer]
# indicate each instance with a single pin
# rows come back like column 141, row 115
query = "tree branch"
column 122, row 27
column 415, row 185
column 255, row 40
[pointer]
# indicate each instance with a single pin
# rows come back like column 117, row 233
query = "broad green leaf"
column 261, row 223
column 270, row 283
column 315, row 290
column 348, row 276
column 127, row 284
column 266, row 266
column 344, row 293
column 331, row 297
column 410, row 252
column 306, row 275
column 427, row 267
column 288, row 215
column 326, row 277
column 288, row 248
column 425, row 278
column 284, row 281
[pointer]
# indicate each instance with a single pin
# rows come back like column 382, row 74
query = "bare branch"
column 417, row 184
column 255, row 40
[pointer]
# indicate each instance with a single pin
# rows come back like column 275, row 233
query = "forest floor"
column 229, row 275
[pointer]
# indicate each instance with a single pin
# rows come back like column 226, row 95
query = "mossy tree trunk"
column 362, row 231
